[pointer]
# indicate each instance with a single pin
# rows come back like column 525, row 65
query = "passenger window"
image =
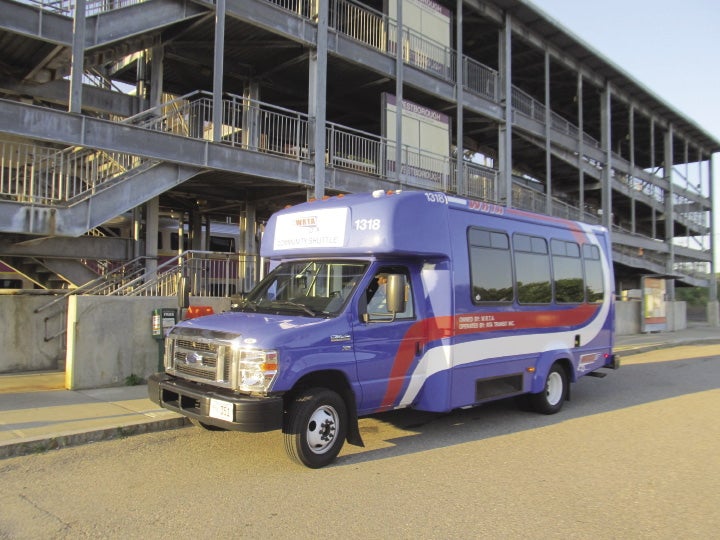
column 490, row 266
column 567, row 272
column 532, row 265
column 594, row 283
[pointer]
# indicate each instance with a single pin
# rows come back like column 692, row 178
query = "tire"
column 315, row 427
column 551, row 399
column 203, row 425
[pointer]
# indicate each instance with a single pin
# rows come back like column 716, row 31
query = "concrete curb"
column 629, row 350
column 146, row 419
column 36, row 445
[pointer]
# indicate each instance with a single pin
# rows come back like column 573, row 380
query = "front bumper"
column 250, row 414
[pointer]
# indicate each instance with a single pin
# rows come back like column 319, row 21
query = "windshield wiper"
column 297, row 305
column 248, row 306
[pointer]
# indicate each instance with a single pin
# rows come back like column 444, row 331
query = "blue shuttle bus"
column 385, row 300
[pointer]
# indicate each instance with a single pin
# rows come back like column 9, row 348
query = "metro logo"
column 306, row 221
column 317, row 229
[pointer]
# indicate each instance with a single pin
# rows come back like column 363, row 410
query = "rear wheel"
column 551, row 399
column 315, row 427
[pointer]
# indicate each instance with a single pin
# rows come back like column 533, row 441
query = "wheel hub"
column 322, row 429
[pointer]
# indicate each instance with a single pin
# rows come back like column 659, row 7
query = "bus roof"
column 379, row 223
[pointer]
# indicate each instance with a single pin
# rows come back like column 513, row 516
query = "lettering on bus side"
column 486, row 208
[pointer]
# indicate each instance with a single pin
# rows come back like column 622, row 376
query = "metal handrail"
column 92, row 7
column 97, row 285
column 208, row 273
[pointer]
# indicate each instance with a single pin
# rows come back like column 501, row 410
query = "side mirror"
column 393, row 301
column 396, row 293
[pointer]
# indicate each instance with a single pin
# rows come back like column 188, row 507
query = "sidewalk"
column 37, row 414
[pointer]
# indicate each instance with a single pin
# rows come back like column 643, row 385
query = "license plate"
column 222, row 410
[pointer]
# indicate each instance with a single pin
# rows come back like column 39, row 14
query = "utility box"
column 163, row 319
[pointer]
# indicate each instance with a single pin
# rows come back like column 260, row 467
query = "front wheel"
column 551, row 399
column 315, row 427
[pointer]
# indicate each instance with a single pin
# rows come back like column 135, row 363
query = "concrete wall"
column 627, row 317
column 677, row 315
column 27, row 338
column 109, row 338
column 713, row 313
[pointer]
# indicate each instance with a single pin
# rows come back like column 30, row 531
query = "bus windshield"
column 316, row 288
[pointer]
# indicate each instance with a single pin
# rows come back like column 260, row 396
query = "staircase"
column 62, row 263
column 68, row 192
column 51, row 273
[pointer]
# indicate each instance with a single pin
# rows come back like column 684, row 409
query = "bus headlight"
column 255, row 370
column 169, row 354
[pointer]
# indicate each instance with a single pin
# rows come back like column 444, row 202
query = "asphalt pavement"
column 37, row 414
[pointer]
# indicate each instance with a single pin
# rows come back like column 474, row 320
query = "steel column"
column 581, row 142
column 460, row 186
column 399, row 72
column 548, row 123
column 633, row 219
column 77, row 65
column 156, row 74
column 652, row 168
column 713, row 293
column 505, row 135
column 317, row 97
column 669, row 202
column 605, row 130
column 218, row 69
column 152, row 221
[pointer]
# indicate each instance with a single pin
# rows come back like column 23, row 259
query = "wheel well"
column 336, row 381
column 566, row 364
column 332, row 380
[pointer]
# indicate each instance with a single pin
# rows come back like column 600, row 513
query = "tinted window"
column 594, row 285
column 567, row 272
column 532, row 266
column 490, row 266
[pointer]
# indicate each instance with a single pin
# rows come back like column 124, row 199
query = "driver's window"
column 376, row 296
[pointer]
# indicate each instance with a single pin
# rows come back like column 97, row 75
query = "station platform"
column 37, row 414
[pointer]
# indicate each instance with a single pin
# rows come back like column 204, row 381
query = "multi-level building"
column 115, row 114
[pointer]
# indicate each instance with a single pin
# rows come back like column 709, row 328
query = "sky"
column 671, row 48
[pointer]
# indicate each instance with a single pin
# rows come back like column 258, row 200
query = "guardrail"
column 92, row 7
column 304, row 8
column 480, row 79
column 37, row 174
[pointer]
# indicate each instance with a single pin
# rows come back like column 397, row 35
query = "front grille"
column 196, row 345
column 201, row 359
